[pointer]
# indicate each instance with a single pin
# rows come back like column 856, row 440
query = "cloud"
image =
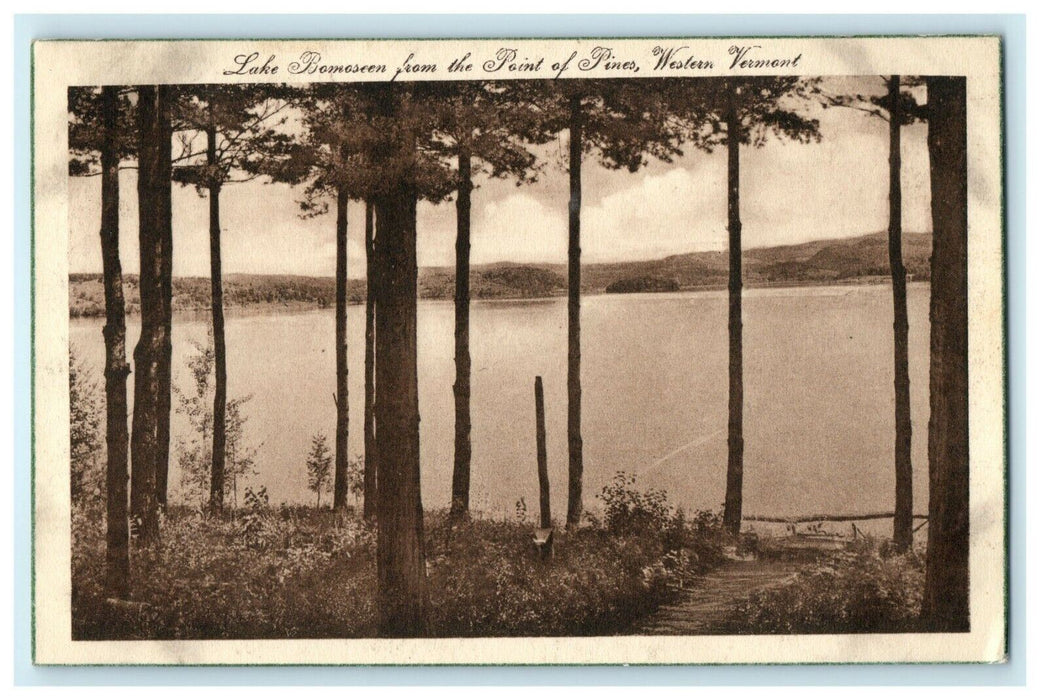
column 520, row 227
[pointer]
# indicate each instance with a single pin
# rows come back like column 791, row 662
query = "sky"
column 790, row 193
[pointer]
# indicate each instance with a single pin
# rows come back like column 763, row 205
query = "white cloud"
column 519, row 227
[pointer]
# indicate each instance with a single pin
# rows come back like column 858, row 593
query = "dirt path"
column 705, row 607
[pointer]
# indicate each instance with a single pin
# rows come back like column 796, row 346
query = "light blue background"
column 1011, row 27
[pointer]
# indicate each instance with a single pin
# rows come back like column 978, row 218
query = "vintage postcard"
column 588, row 351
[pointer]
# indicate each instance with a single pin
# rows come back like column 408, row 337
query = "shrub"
column 318, row 466
column 863, row 590
column 296, row 572
column 86, row 408
column 295, row 576
column 626, row 510
column 485, row 580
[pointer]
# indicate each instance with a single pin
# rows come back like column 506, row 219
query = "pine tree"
column 897, row 108
column 102, row 124
column 486, row 128
column 622, row 123
column 236, row 123
column 734, row 112
column 150, row 424
column 946, row 599
column 379, row 143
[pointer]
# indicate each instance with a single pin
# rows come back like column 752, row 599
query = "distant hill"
column 818, row 262
column 498, row 281
column 633, row 285
column 86, row 296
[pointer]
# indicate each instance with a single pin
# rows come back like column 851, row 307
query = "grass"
column 294, row 572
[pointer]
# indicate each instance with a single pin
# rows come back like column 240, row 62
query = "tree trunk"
column 116, row 367
column 545, row 518
column 341, row 438
column 574, row 312
column 218, row 330
column 902, row 419
column 462, row 362
column 946, row 592
column 402, row 595
column 370, row 448
column 163, row 416
column 732, row 512
column 147, row 352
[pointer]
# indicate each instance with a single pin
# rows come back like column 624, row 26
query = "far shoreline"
column 276, row 308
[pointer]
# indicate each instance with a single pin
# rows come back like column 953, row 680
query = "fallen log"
column 823, row 518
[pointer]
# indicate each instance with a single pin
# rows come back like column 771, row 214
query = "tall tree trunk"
column 903, row 504
column 116, row 367
column 163, row 417
column 218, row 330
column 147, row 352
column 946, row 592
column 403, row 598
column 732, row 512
column 462, row 361
column 574, row 313
column 370, row 447
column 341, row 437
column 545, row 513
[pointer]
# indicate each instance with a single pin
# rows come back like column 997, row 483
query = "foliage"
column 298, row 572
column 356, row 476
column 863, row 590
column 266, row 572
column 228, row 129
column 362, row 139
column 87, row 472
column 86, row 133
column 626, row 510
column 256, row 519
column 318, row 466
column 623, row 122
column 764, row 106
column 194, row 451
column 491, row 122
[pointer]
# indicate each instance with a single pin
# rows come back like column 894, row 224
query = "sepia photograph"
column 668, row 341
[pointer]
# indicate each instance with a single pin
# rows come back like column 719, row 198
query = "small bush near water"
column 293, row 572
column 867, row 589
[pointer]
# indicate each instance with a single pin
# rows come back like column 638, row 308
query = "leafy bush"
column 863, row 590
column 265, row 573
column 296, row 572
column 318, row 466
column 485, row 580
column 86, row 469
column 627, row 510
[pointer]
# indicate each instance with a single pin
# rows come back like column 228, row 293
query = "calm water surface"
column 818, row 376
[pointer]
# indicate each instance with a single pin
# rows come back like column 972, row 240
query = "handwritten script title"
column 510, row 62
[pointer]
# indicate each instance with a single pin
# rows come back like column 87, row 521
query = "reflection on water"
column 819, row 418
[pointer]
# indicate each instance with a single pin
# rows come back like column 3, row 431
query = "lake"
column 819, row 416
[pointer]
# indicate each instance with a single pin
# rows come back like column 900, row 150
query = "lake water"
column 819, row 426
